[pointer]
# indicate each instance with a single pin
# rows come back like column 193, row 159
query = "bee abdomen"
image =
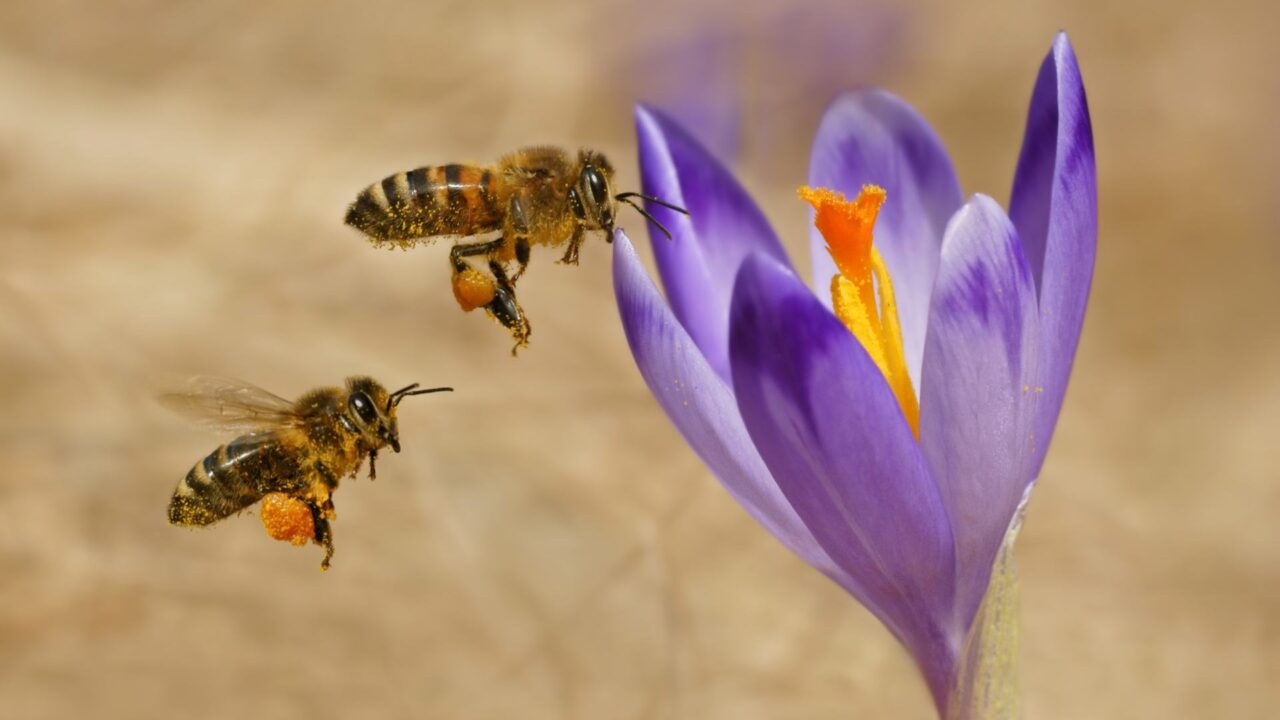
column 218, row 486
column 428, row 201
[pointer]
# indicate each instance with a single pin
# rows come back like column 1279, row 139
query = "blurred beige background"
column 172, row 178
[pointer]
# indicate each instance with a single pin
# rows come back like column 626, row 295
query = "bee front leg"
column 575, row 242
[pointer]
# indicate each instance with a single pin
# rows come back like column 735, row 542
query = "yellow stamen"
column 847, row 228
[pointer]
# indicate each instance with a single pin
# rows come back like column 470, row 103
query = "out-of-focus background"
column 172, row 180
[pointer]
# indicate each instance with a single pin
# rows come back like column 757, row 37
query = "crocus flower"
column 803, row 402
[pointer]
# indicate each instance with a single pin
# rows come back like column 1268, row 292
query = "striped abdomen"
column 428, row 201
column 231, row 478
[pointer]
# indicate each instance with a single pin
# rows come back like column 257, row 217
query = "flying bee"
column 534, row 196
column 291, row 456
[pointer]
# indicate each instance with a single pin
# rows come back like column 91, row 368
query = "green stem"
column 987, row 686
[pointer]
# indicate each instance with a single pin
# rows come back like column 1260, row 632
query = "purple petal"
column 701, row 405
column 1055, row 208
column 702, row 408
column 978, row 404
column 829, row 429
column 699, row 265
column 873, row 137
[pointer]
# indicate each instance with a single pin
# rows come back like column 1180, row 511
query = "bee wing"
column 229, row 404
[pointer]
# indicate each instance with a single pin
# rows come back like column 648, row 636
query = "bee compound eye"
column 596, row 183
column 363, row 407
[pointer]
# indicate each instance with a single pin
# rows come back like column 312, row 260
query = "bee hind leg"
column 324, row 532
column 506, row 309
column 495, row 293
column 465, row 250
column 472, row 288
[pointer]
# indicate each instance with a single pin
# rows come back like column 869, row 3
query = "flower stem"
column 987, row 686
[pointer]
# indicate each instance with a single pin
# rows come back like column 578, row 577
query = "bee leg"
column 522, row 258
column 465, row 250
column 497, row 295
column 324, row 533
column 330, row 481
column 507, row 310
column 471, row 288
column 517, row 232
column 575, row 242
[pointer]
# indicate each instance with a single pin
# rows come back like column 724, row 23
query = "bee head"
column 594, row 203
column 371, row 410
column 591, row 197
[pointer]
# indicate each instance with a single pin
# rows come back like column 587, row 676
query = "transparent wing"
column 229, row 404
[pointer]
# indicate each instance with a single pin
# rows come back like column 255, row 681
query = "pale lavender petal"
column 873, row 137
column 977, row 408
column 1055, row 208
column 836, row 442
column 701, row 405
column 698, row 266
column 692, row 74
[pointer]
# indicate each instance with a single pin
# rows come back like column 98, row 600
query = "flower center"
column 846, row 226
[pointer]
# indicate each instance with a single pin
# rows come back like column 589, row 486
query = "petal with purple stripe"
column 699, row 264
column 977, row 408
column 873, row 137
column 835, row 440
column 1055, row 208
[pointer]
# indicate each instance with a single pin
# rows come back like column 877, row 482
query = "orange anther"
column 848, row 226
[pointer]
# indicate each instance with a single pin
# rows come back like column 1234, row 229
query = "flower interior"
column 847, row 228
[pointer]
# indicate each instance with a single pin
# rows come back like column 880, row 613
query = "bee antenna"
column 642, row 211
column 404, row 389
column 408, row 390
column 623, row 197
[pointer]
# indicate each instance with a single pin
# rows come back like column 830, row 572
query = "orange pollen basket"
column 287, row 518
column 472, row 290
column 847, row 227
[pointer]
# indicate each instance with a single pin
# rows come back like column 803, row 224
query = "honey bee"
column 291, row 456
column 534, row 196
